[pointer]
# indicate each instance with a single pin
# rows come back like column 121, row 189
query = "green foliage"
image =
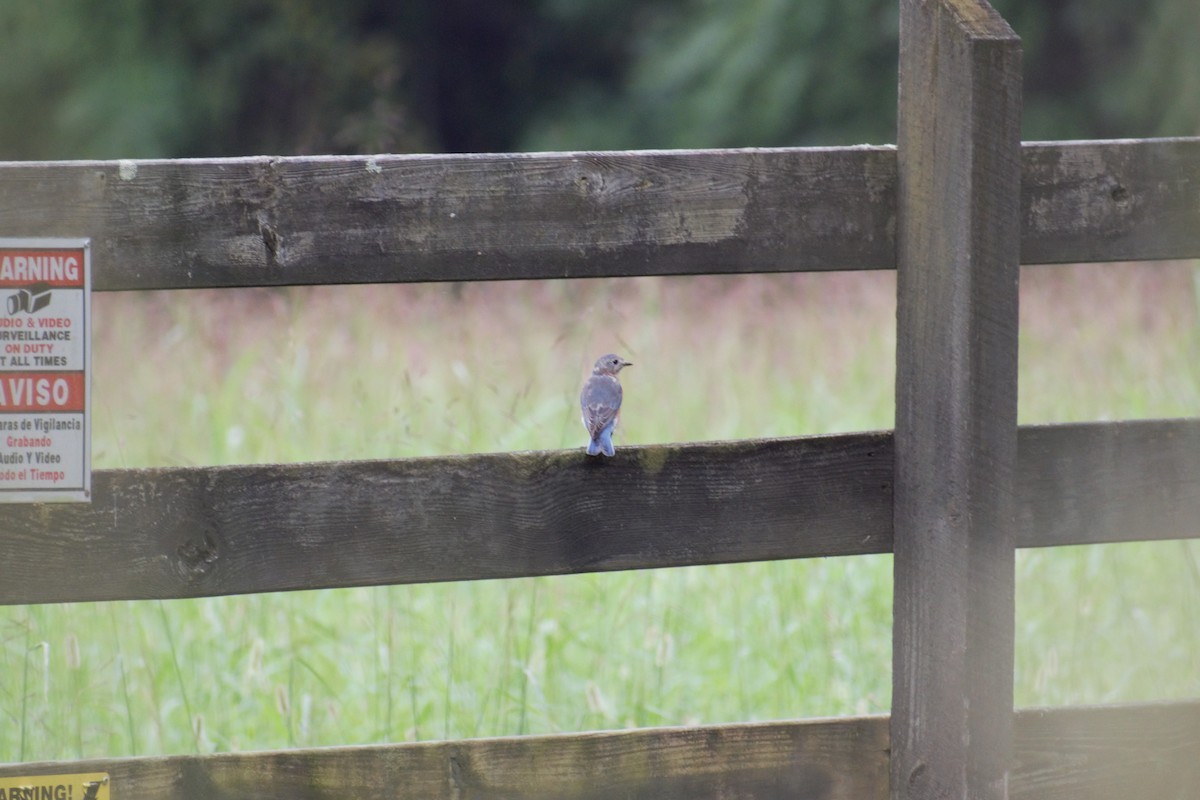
column 764, row 72
column 142, row 78
column 145, row 78
column 704, row 73
column 1108, row 68
column 1157, row 86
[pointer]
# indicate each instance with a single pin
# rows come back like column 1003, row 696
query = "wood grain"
column 1116, row 200
column 957, row 255
column 226, row 530
column 275, row 221
column 191, row 532
column 1149, row 751
column 828, row 760
column 319, row 220
column 1108, row 482
column 1108, row 753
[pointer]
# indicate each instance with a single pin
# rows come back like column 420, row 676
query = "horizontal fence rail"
column 194, row 532
column 1098, row 753
column 332, row 220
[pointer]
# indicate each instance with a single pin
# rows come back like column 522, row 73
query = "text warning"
column 78, row 786
column 45, row 364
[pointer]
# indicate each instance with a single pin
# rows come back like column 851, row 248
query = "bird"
column 600, row 401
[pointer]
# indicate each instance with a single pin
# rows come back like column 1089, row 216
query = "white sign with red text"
column 45, row 366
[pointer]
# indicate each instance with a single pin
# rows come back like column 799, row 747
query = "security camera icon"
column 30, row 299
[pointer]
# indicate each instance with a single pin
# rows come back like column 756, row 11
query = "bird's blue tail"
column 602, row 444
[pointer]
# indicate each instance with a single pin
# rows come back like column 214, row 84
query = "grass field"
column 395, row 371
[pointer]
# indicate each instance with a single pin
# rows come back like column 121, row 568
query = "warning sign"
column 45, row 360
column 84, row 786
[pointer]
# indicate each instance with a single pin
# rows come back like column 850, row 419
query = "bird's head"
column 610, row 365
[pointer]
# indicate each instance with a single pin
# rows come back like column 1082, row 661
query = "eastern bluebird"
column 601, row 403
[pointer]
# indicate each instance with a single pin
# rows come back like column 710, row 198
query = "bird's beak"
column 626, row 363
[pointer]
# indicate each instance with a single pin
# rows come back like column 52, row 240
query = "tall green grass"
column 397, row 371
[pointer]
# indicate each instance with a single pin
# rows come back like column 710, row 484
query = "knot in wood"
column 272, row 240
column 196, row 558
column 915, row 776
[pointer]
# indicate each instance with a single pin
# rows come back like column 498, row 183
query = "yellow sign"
column 86, row 786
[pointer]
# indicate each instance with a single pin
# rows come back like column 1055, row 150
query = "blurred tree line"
column 176, row 78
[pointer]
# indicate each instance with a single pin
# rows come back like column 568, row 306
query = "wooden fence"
column 955, row 207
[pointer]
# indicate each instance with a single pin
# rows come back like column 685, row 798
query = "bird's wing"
column 600, row 401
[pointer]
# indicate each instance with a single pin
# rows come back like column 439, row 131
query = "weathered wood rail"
column 1101, row 753
column 284, row 221
column 204, row 531
column 955, row 207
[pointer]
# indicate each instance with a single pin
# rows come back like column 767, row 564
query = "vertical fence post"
column 958, row 243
